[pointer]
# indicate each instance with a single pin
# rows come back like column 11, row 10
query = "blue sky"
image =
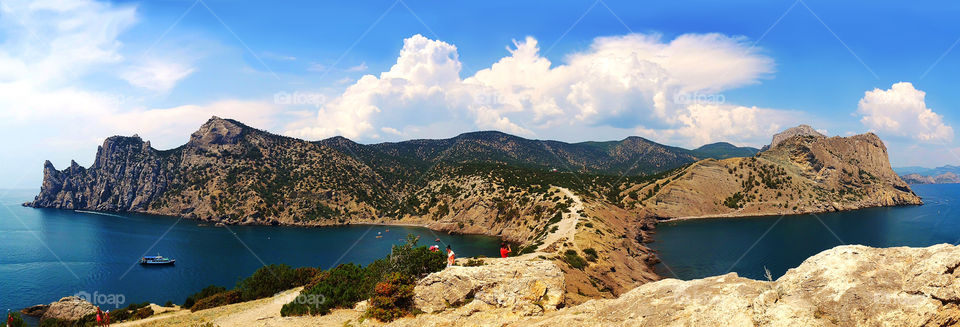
column 73, row 72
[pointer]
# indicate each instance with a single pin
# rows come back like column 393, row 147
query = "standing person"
column 505, row 249
column 106, row 318
column 9, row 319
column 450, row 256
column 99, row 317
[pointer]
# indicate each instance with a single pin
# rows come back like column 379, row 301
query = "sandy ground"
column 263, row 312
column 567, row 226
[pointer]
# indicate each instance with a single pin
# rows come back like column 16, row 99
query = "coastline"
column 751, row 215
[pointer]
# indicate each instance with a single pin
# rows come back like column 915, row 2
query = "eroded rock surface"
column 522, row 286
column 70, row 308
column 845, row 286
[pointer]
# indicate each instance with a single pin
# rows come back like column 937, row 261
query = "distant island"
column 919, row 175
column 548, row 196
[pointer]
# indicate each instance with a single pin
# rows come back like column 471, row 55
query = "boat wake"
column 100, row 213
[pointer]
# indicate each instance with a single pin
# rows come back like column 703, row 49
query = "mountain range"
column 548, row 196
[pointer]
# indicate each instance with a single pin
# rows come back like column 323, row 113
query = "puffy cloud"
column 157, row 75
column 47, row 47
column 708, row 123
column 53, row 53
column 902, row 111
column 635, row 82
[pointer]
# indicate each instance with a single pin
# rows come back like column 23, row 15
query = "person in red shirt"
column 504, row 249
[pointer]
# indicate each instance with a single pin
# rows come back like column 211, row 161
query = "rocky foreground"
column 844, row 286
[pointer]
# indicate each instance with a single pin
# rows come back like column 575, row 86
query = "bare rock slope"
column 802, row 173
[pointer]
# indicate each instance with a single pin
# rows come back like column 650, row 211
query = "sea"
column 46, row 254
column 749, row 246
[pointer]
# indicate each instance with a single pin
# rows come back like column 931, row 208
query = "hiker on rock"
column 505, row 249
column 450, row 256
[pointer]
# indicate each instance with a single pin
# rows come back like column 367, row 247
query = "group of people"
column 505, row 251
column 451, row 257
column 103, row 318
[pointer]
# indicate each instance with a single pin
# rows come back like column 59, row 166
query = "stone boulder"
column 70, row 308
column 844, row 286
column 521, row 286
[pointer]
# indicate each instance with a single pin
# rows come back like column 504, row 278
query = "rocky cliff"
column 804, row 173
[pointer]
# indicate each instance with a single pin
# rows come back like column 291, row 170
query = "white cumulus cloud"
column 630, row 82
column 157, row 75
column 902, row 111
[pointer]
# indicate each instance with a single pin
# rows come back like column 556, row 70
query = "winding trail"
column 567, row 227
column 260, row 313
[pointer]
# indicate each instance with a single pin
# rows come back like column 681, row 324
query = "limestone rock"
column 844, row 286
column 70, row 308
column 801, row 130
column 521, row 286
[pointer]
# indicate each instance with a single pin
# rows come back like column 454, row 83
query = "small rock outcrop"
column 70, row 308
column 36, row 310
column 844, row 286
column 523, row 287
column 802, row 130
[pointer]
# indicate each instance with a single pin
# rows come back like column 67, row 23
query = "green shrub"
column 346, row 284
column 574, row 260
column 120, row 315
column 304, row 275
column 206, row 292
column 267, row 281
column 169, row 304
column 341, row 287
column 217, row 300
column 473, row 263
column 417, row 262
column 143, row 313
column 135, row 306
column 531, row 248
column 392, row 298
column 590, row 254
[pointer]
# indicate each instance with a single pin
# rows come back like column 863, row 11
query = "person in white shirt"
column 450, row 256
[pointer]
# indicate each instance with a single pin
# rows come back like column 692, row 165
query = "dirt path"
column 567, row 226
column 263, row 312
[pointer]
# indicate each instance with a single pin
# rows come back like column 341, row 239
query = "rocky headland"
column 805, row 172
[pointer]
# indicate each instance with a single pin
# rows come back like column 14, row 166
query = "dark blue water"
column 701, row 248
column 46, row 254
